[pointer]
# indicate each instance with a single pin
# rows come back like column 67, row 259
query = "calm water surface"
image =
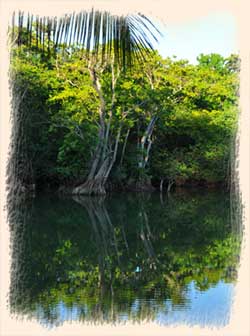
column 128, row 257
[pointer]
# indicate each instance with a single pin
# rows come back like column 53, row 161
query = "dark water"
column 129, row 257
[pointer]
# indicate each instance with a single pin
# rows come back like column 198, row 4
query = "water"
column 128, row 257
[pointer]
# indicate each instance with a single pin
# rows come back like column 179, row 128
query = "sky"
column 214, row 33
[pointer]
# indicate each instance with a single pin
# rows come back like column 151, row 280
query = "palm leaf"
column 49, row 31
column 20, row 27
column 40, row 31
column 13, row 27
column 30, row 31
column 43, row 31
column 37, row 31
column 72, row 29
column 89, row 31
column 126, row 37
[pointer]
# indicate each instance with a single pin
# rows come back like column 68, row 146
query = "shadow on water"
column 128, row 257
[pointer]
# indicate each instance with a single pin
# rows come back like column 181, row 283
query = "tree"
column 121, row 39
column 175, row 121
column 193, row 141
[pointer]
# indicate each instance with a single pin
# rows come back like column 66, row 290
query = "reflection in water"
column 125, row 257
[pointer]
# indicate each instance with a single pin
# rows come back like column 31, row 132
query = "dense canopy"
column 164, row 119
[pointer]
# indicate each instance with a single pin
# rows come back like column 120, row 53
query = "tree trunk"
column 147, row 142
column 124, row 146
column 161, row 185
column 96, row 185
column 144, row 183
column 170, row 184
column 104, row 157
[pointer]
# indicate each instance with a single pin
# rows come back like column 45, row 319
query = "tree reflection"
column 118, row 258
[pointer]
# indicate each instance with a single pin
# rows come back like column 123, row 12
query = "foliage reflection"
column 118, row 258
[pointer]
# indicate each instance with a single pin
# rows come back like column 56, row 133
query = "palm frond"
column 124, row 37
column 30, row 31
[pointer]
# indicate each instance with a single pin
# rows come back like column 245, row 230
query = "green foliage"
column 196, row 138
column 196, row 108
